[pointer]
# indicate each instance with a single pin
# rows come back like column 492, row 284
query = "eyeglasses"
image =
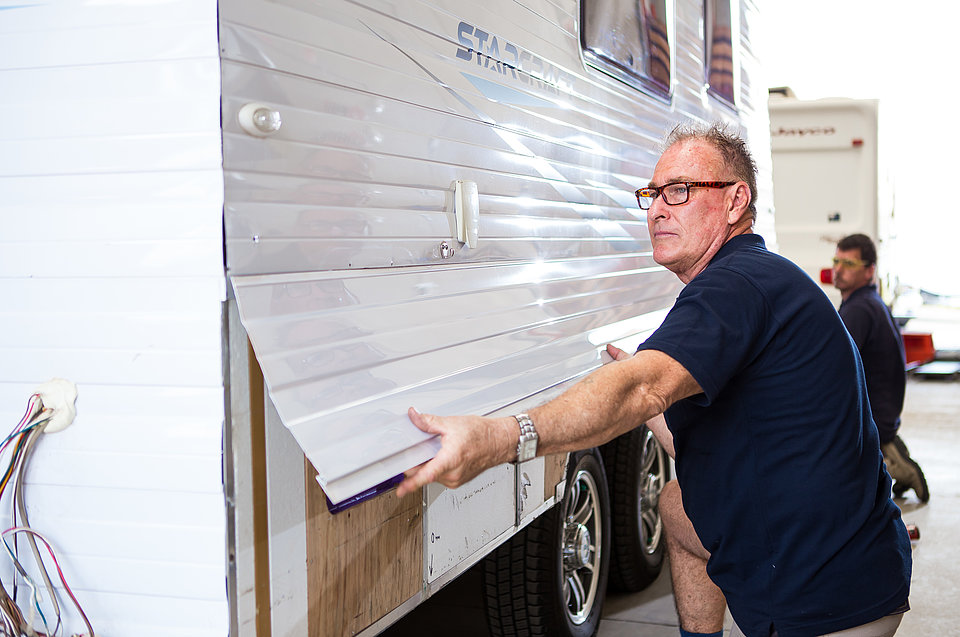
column 676, row 193
column 848, row 263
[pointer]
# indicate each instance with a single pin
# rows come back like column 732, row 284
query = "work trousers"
column 883, row 627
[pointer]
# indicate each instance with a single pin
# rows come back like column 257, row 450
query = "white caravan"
column 253, row 233
column 829, row 182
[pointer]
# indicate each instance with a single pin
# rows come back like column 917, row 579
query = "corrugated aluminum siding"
column 334, row 224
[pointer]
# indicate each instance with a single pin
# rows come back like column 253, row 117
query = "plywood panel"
column 362, row 562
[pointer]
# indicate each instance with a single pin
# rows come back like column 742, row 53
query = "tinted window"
column 628, row 39
column 719, row 48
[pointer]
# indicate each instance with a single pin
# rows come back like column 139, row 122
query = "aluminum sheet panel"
column 344, row 354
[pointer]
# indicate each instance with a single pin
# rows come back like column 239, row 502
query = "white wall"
column 111, row 275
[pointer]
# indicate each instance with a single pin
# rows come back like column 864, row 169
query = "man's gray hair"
column 736, row 156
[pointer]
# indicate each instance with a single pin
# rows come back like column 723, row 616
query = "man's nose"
column 658, row 209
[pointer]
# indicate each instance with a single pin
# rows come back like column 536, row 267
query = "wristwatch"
column 527, row 445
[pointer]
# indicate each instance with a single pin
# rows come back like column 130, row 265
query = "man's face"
column 850, row 272
column 685, row 237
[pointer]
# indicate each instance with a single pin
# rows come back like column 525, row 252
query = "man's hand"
column 616, row 353
column 469, row 446
column 603, row 405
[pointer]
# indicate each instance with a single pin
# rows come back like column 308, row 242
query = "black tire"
column 550, row 579
column 637, row 468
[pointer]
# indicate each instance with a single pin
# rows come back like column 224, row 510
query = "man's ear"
column 740, row 203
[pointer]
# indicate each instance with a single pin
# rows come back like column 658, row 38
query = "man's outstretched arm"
column 610, row 401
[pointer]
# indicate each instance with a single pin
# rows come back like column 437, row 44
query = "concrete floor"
column 931, row 430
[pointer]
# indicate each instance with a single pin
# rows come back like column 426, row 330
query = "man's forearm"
column 613, row 400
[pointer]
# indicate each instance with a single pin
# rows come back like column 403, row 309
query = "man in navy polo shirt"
column 881, row 348
column 785, row 513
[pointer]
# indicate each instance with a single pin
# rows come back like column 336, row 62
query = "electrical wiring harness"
column 20, row 443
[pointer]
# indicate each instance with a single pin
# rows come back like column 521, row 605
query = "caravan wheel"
column 637, row 468
column 550, row 579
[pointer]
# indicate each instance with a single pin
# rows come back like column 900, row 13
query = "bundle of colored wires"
column 20, row 443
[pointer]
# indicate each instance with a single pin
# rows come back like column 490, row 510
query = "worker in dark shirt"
column 754, row 386
column 874, row 331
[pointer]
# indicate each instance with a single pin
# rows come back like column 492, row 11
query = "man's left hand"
column 616, row 353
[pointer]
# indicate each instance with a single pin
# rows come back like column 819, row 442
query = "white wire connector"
column 59, row 396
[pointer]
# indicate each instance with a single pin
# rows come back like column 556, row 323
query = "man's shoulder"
column 749, row 251
column 860, row 314
column 856, row 315
column 862, row 300
column 764, row 269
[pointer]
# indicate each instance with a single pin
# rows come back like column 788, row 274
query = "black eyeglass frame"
column 656, row 192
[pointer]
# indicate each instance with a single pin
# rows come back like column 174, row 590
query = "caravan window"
column 628, row 39
column 719, row 48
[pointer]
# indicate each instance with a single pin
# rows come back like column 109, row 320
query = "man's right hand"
column 469, row 445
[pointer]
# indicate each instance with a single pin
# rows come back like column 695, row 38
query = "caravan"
column 255, row 232
column 831, row 180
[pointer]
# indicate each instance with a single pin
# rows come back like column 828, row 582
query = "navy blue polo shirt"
column 778, row 459
column 881, row 349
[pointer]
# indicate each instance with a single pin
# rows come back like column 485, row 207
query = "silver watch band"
column 527, row 444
